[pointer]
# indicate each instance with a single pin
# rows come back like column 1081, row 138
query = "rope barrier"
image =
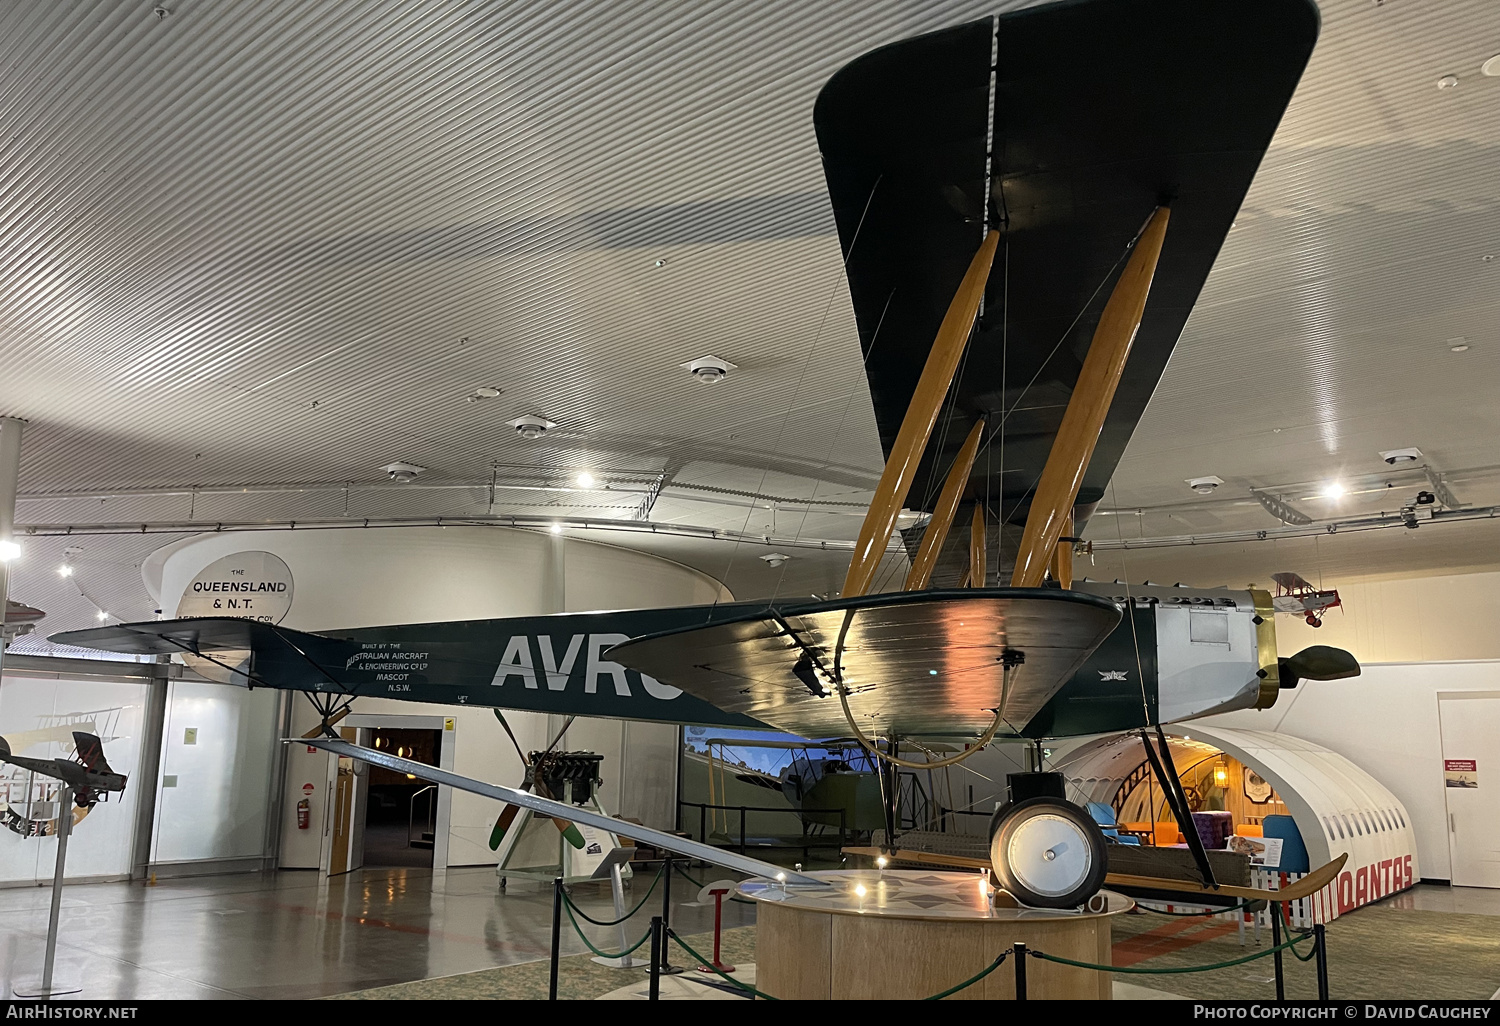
column 568, row 908
column 1163, row 971
column 616, row 922
column 972, row 979
column 705, row 962
column 1313, row 952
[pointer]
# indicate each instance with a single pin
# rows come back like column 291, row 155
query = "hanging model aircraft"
column 1028, row 206
column 88, row 772
column 1296, row 594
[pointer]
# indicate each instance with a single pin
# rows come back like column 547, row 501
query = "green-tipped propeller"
column 508, row 815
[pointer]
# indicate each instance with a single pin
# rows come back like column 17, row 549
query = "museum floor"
column 415, row 934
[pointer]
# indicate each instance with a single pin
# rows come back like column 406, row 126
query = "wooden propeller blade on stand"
column 944, row 511
column 921, row 416
column 1057, row 490
column 1296, row 890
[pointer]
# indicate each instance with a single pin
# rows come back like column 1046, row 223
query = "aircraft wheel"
column 1049, row 853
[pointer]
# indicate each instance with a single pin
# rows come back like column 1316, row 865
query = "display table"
column 911, row 933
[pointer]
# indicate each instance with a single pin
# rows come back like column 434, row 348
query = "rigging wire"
column 828, row 458
column 1135, row 640
column 801, row 377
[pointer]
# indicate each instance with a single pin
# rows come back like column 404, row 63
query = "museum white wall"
column 1412, row 620
column 355, row 578
column 101, row 845
column 1385, row 721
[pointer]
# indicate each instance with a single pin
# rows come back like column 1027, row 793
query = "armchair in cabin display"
column 1105, row 817
column 1294, row 857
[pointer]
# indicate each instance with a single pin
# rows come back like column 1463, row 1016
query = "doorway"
column 401, row 809
column 380, row 818
column 1470, row 724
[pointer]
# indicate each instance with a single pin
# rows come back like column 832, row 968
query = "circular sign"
column 308, row 789
column 245, row 585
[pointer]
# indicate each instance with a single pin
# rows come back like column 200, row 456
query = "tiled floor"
column 1474, row 901
column 292, row 934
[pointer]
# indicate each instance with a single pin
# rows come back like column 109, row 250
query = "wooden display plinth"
column 909, row 934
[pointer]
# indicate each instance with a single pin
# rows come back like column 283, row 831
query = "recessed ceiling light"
column 1205, row 485
column 661, row 262
column 1491, row 67
column 1447, row 81
column 708, row 369
column 1488, row 257
column 488, row 392
column 402, row 473
column 1395, row 456
column 775, row 558
column 1459, row 347
column 587, row 480
column 9, row 550
column 532, row 427
column 556, row 528
column 101, row 615
column 65, row 571
column 1332, row 490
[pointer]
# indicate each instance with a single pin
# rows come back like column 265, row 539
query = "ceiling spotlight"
column 65, row 571
column 9, row 550
column 101, row 615
column 709, row 369
column 660, row 262
column 1395, row 456
column 556, row 529
column 1447, row 81
column 532, row 427
column 1205, row 485
column 775, row 558
column 402, row 473
column 587, row 480
column 1491, row 67
column 1332, row 490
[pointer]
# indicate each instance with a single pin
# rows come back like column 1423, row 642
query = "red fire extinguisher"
column 304, row 814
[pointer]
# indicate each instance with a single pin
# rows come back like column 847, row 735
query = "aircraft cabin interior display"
column 852, row 501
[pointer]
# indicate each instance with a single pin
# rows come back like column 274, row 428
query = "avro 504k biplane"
column 1028, row 206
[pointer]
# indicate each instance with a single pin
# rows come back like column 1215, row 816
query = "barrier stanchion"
column 658, row 953
column 557, row 900
column 666, row 913
column 1322, row 951
column 717, row 966
column 1020, row 953
column 1276, row 946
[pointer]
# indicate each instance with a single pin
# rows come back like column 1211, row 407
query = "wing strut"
column 943, row 512
column 564, row 811
column 921, row 415
column 1057, row 489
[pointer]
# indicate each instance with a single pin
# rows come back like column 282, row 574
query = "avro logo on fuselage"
column 533, row 660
